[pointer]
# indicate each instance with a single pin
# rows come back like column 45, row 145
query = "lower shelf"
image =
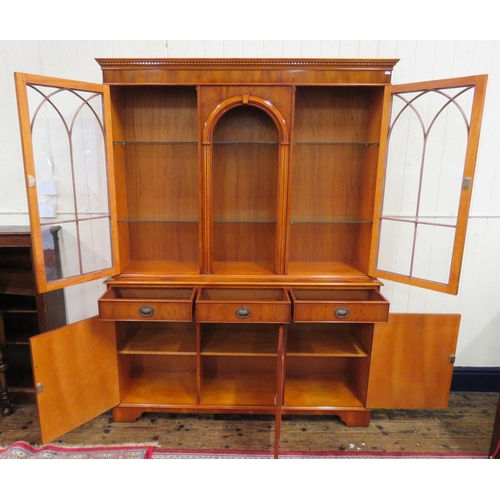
column 176, row 389
column 239, row 389
column 320, row 391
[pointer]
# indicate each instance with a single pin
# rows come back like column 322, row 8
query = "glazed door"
column 411, row 361
column 76, row 375
column 66, row 140
column 425, row 179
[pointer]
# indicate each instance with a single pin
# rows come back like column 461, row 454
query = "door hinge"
column 452, row 358
column 39, row 388
column 31, row 181
column 466, row 183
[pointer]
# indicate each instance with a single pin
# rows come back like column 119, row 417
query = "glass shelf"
column 244, row 222
column 155, row 143
column 329, row 219
column 335, row 143
column 145, row 218
column 226, row 143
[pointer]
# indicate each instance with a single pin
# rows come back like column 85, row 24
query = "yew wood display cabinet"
column 243, row 212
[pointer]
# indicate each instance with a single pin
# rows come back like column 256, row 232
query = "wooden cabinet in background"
column 246, row 211
column 23, row 311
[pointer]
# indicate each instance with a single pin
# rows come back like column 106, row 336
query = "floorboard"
column 465, row 426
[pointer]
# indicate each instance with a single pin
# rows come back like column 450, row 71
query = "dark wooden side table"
column 23, row 311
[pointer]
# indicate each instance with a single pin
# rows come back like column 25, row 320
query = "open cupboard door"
column 412, row 361
column 68, row 155
column 76, row 375
column 424, row 183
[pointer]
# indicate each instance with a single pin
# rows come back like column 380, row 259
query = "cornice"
column 376, row 64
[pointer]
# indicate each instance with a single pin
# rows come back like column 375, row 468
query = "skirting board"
column 473, row 379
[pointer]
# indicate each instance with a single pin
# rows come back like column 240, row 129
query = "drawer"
column 237, row 305
column 339, row 306
column 147, row 304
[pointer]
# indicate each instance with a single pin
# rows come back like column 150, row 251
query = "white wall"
column 478, row 300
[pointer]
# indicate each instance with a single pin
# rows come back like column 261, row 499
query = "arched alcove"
column 243, row 137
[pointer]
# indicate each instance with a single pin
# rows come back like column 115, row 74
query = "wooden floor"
column 465, row 426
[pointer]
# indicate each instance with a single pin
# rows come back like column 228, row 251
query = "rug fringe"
column 36, row 446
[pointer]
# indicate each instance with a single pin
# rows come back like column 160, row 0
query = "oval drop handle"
column 243, row 312
column 342, row 312
column 146, row 311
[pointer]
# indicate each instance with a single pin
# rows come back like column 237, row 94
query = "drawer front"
column 373, row 308
column 251, row 309
column 172, row 305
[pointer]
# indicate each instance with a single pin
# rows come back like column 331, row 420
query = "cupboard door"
column 412, row 361
column 76, row 375
column 424, row 184
column 66, row 140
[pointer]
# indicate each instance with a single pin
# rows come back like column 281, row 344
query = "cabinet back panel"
column 162, row 182
column 244, row 242
column 213, row 365
column 335, row 114
column 158, row 363
column 245, row 186
column 159, row 113
column 324, row 243
column 328, row 180
column 245, row 124
column 296, row 365
column 245, row 182
column 163, row 241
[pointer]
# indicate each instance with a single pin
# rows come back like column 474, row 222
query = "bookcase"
column 23, row 312
column 244, row 218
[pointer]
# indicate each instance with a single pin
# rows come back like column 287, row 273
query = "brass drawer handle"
column 342, row 312
column 243, row 312
column 146, row 311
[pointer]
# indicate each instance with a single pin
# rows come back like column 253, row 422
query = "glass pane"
column 61, row 253
column 52, row 158
column 396, row 244
column 71, row 178
column 404, row 161
column 428, row 138
column 95, row 244
column 433, row 253
column 89, row 158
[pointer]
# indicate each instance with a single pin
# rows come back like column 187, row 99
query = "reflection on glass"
column 70, row 170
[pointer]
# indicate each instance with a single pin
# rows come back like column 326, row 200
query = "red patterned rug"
column 21, row 450
column 194, row 454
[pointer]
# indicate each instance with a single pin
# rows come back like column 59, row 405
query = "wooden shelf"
column 239, row 268
column 329, row 219
column 340, row 270
column 17, row 282
column 163, row 388
column 160, row 268
column 320, row 391
column 239, row 389
column 160, row 339
column 324, row 343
